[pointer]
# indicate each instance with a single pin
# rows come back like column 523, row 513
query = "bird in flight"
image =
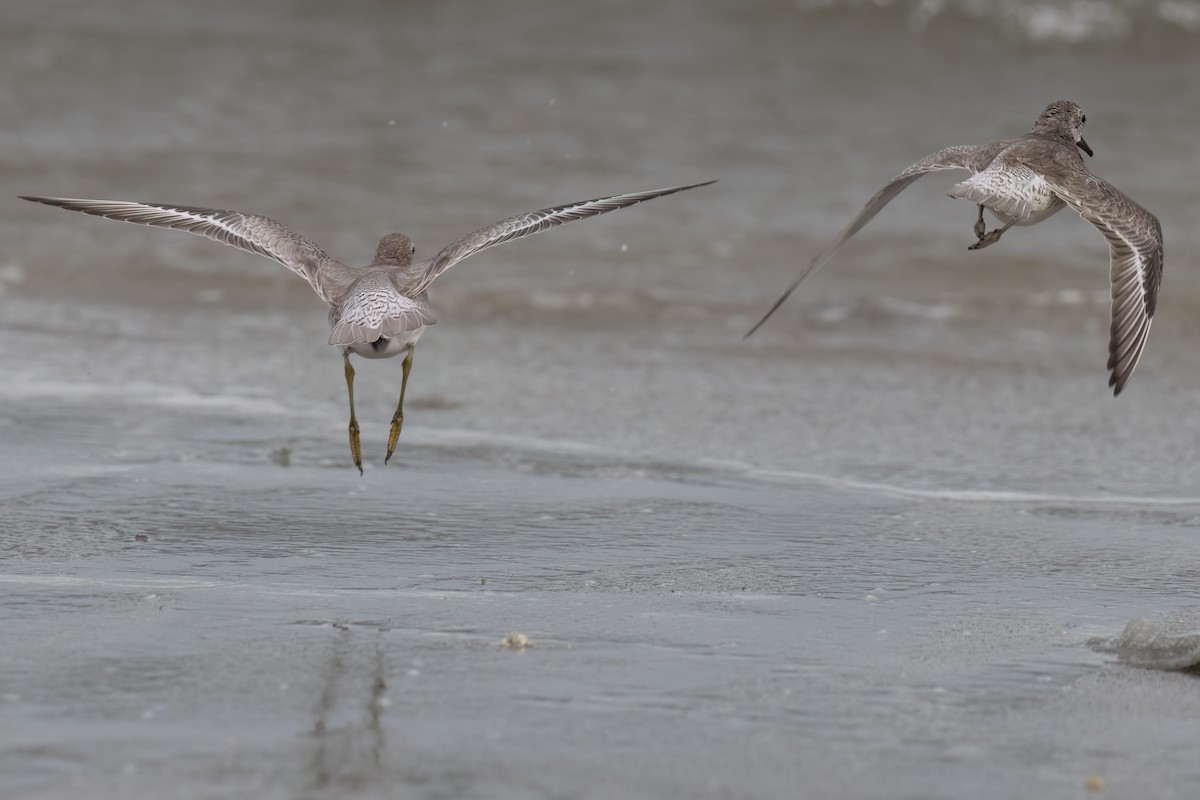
column 376, row 311
column 1023, row 181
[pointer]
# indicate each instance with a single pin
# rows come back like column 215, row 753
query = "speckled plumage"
column 1025, row 180
column 376, row 311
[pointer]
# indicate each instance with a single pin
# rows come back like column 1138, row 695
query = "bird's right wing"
column 1135, row 247
column 972, row 157
column 259, row 235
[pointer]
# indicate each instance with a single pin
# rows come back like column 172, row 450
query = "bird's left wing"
column 972, row 157
column 530, row 223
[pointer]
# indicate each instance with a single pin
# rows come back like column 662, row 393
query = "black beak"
column 1084, row 146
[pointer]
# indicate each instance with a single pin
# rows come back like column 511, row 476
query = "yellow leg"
column 355, row 446
column 398, row 417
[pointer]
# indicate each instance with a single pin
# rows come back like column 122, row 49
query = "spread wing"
column 254, row 234
column 972, row 157
column 533, row 222
column 1135, row 254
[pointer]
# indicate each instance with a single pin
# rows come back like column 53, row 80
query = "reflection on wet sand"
column 348, row 728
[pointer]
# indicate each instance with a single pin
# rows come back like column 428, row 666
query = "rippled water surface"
column 887, row 548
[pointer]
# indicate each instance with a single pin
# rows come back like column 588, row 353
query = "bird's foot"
column 393, row 437
column 355, row 446
column 986, row 239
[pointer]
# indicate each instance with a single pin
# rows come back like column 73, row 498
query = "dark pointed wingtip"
column 766, row 316
column 674, row 189
column 775, row 307
column 46, row 201
column 757, row 325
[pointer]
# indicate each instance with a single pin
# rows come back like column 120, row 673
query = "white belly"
column 1036, row 215
column 1013, row 193
column 386, row 347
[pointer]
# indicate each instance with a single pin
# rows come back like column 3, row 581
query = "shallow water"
column 867, row 553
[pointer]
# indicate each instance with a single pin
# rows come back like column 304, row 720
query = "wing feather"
column 254, row 234
column 530, row 223
column 1135, row 247
column 971, row 157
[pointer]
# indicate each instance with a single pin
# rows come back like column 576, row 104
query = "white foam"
column 1042, row 21
column 1172, row 645
column 461, row 438
column 970, row 495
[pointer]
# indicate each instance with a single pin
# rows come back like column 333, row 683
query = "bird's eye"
column 1083, row 120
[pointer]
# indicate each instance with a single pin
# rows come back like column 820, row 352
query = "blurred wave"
column 1076, row 21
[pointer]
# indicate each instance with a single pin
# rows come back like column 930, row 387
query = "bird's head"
column 1066, row 119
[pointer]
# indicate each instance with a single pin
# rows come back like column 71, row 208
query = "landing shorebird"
column 376, row 311
column 1023, row 181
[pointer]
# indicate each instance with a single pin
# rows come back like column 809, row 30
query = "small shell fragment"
column 515, row 641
